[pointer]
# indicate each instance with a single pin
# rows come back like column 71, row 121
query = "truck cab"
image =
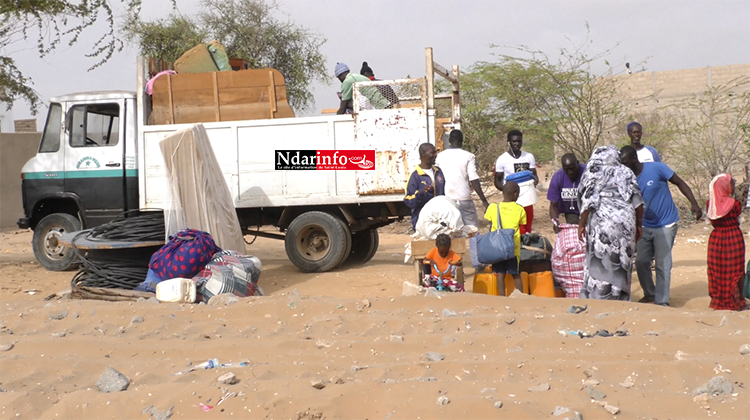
column 84, row 173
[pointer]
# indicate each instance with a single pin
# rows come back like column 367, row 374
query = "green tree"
column 54, row 22
column 501, row 96
column 163, row 39
column 712, row 135
column 558, row 103
column 247, row 29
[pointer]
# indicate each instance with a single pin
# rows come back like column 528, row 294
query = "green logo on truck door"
column 88, row 162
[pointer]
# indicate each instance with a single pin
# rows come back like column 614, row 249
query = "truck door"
column 94, row 159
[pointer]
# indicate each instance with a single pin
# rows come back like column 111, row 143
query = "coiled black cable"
column 113, row 268
column 121, row 268
column 146, row 225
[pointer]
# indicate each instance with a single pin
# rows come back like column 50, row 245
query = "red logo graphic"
column 352, row 160
column 339, row 160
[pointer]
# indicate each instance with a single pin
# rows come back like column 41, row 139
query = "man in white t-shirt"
column 513, row 161
column 460, row 170
column 645, row 153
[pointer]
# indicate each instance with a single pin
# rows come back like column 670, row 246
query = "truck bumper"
column 23, row 223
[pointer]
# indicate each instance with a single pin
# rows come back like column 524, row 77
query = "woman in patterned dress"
column 611, row 212
column 726, row 246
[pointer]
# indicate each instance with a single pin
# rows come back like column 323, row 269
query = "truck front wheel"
column 316, row 241
column 48, row 250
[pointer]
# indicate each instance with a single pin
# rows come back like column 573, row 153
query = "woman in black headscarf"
column 384, row 90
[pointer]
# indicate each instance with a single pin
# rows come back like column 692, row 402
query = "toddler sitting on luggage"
column 440, row 266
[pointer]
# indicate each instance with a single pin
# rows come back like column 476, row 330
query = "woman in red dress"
column 726, row 246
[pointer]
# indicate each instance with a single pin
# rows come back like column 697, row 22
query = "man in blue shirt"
column 659, row 223
column 427, row 181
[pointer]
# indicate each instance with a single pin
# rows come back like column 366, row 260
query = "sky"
column 391, row 36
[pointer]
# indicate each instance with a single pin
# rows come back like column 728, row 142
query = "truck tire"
column 316, row 241
column 47, row 250
column 364, row 246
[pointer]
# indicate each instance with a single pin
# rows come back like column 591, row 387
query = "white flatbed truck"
column 99, row 157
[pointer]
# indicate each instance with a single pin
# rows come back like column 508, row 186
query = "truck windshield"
column 51, row 137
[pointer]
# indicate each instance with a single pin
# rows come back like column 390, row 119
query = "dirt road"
column 351, row 331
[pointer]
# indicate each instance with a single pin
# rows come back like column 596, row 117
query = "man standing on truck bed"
column 372, row 97
column 460, row 169
column 426, row 182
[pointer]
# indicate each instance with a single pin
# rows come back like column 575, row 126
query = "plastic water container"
column 485, row 282
column 541, row 284
column 510, row 284
column 179, row 290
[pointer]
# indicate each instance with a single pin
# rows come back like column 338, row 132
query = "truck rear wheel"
column 364, row 246
column 47, row 249
column 316, row 241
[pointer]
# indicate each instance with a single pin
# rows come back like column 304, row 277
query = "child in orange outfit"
column 442, row 261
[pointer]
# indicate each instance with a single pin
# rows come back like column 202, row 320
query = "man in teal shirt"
column 374, row 100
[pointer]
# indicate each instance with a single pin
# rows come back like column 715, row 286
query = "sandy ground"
column 352, row 329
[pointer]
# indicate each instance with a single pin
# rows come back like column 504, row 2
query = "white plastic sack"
column 439, row 215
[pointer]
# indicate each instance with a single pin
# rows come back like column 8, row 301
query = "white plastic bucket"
column 527, row 194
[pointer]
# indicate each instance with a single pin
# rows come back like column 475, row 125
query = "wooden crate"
column 239, row 64
column 420, row 248
column 220, row 96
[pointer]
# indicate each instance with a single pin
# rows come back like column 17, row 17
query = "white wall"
column 6, row 120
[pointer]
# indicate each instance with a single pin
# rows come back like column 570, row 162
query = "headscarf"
column 365, row 68
column 604, row 170
column 720, row 202
column 632, row 124
column 340, row 69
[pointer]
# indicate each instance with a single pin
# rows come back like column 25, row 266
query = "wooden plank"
column 272, row 93
column 216, row 97
column 228, row 113
column 439, row 130
column 420, row 248
column 410, row 105
column 171, row 104
column 112, row 295
column 249, row 78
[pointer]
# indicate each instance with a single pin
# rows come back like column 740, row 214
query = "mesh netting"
column 390, row 94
